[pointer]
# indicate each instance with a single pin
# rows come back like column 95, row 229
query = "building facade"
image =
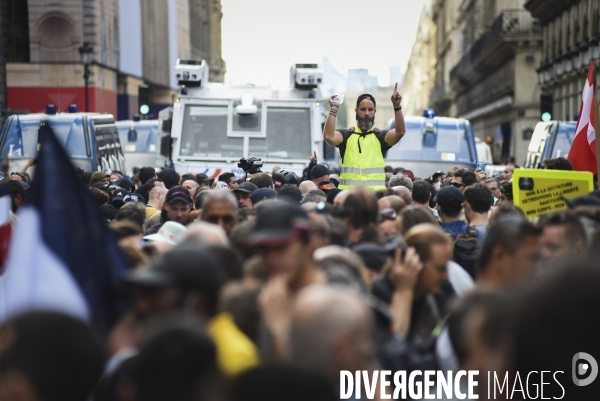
column 477, row 59
column 133, row 42
column 420, row 72
column 570, row 41
column 495, row 80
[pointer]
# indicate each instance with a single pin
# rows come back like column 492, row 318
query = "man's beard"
column 365, row 123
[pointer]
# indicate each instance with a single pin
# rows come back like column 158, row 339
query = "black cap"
column 318, row 171
column 290, row 194
column 108, row 212
column 201, row 177
column 25, row 185
column 119, row 194
column 187, row 267
column 178, row 193
column 262, row 194
column 278, row 225
column 133, row 198
column 450, row 196
column 435, row 176
column 366, row 96
column 246, row 187
column 372, row 254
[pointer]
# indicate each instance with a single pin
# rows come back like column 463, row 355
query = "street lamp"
column 86, row 52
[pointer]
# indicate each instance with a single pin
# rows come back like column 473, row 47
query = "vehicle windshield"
column 433, row 140
column 138, row 138
column 22, row 136
column 564, row 139
column 211, row 131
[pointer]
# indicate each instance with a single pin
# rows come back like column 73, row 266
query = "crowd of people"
column 265, row 288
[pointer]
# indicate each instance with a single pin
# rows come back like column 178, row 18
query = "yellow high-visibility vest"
column 363, row 163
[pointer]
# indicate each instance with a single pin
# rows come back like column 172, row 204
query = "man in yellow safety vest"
column 363, row 147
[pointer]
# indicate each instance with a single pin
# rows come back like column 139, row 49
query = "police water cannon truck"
column 212, row 126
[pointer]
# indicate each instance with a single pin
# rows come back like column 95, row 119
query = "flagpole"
column 596, row 122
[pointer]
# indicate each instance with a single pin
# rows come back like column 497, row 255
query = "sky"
column 261, row 39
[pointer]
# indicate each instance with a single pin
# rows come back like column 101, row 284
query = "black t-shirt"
column 379, row 134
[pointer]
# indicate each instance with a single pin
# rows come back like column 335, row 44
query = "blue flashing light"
column 51, row 109
column 184, row 90
column 428, row 113
column 150, row 116
column 73, row 108
column 136, row 117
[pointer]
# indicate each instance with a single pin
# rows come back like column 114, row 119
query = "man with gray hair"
column 400, row 180
column 315, row 195
column 331, row 331
column 220, row 208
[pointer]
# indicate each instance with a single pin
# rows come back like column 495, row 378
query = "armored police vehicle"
column 211, row 126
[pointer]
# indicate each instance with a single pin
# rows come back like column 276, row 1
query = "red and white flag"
column 583, row 150
column 5, row 224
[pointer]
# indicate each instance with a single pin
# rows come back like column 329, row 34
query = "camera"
column 251, row 165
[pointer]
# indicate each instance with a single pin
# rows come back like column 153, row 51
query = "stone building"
column 133, row 42
column 570, row 41
column 420, row 72
column 477, row 59
column 495, row 79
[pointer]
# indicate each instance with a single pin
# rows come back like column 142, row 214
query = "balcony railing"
column 439, row 91
column 508, row 23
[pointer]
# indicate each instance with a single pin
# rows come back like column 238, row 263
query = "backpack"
column 466, row 247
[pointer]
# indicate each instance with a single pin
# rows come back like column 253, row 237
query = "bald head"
column 306, row 186
column 157, row 197
column 331, row 329
column 206, row 233
column 404, row 193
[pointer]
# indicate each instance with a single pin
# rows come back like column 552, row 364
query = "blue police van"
column 433, row 143
column 139, row 142
column 91, row 140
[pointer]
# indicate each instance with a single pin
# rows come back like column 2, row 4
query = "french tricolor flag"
column 62, row 256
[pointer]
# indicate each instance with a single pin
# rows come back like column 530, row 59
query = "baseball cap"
column 246, row 187
column 119, row 194
column 98, row 175
column 178, row 193
column 409, row 174
column 25, row 185
column 201, row 177
column 365, row 96
column 133, row 198
column 372, row 254
column 262, row 194
column 278, row 225
column 326, row 185
column 170, row 233
column 450, row 196
column 108, row 212
column 290, row 193
column 187, row 267
column 319, row 171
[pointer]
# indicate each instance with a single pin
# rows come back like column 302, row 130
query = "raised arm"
column 331, row 136
column 394, row 135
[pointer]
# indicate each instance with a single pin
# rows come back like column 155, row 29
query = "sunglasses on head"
column 457, row 184
column 387, row 214
column 22, row 175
